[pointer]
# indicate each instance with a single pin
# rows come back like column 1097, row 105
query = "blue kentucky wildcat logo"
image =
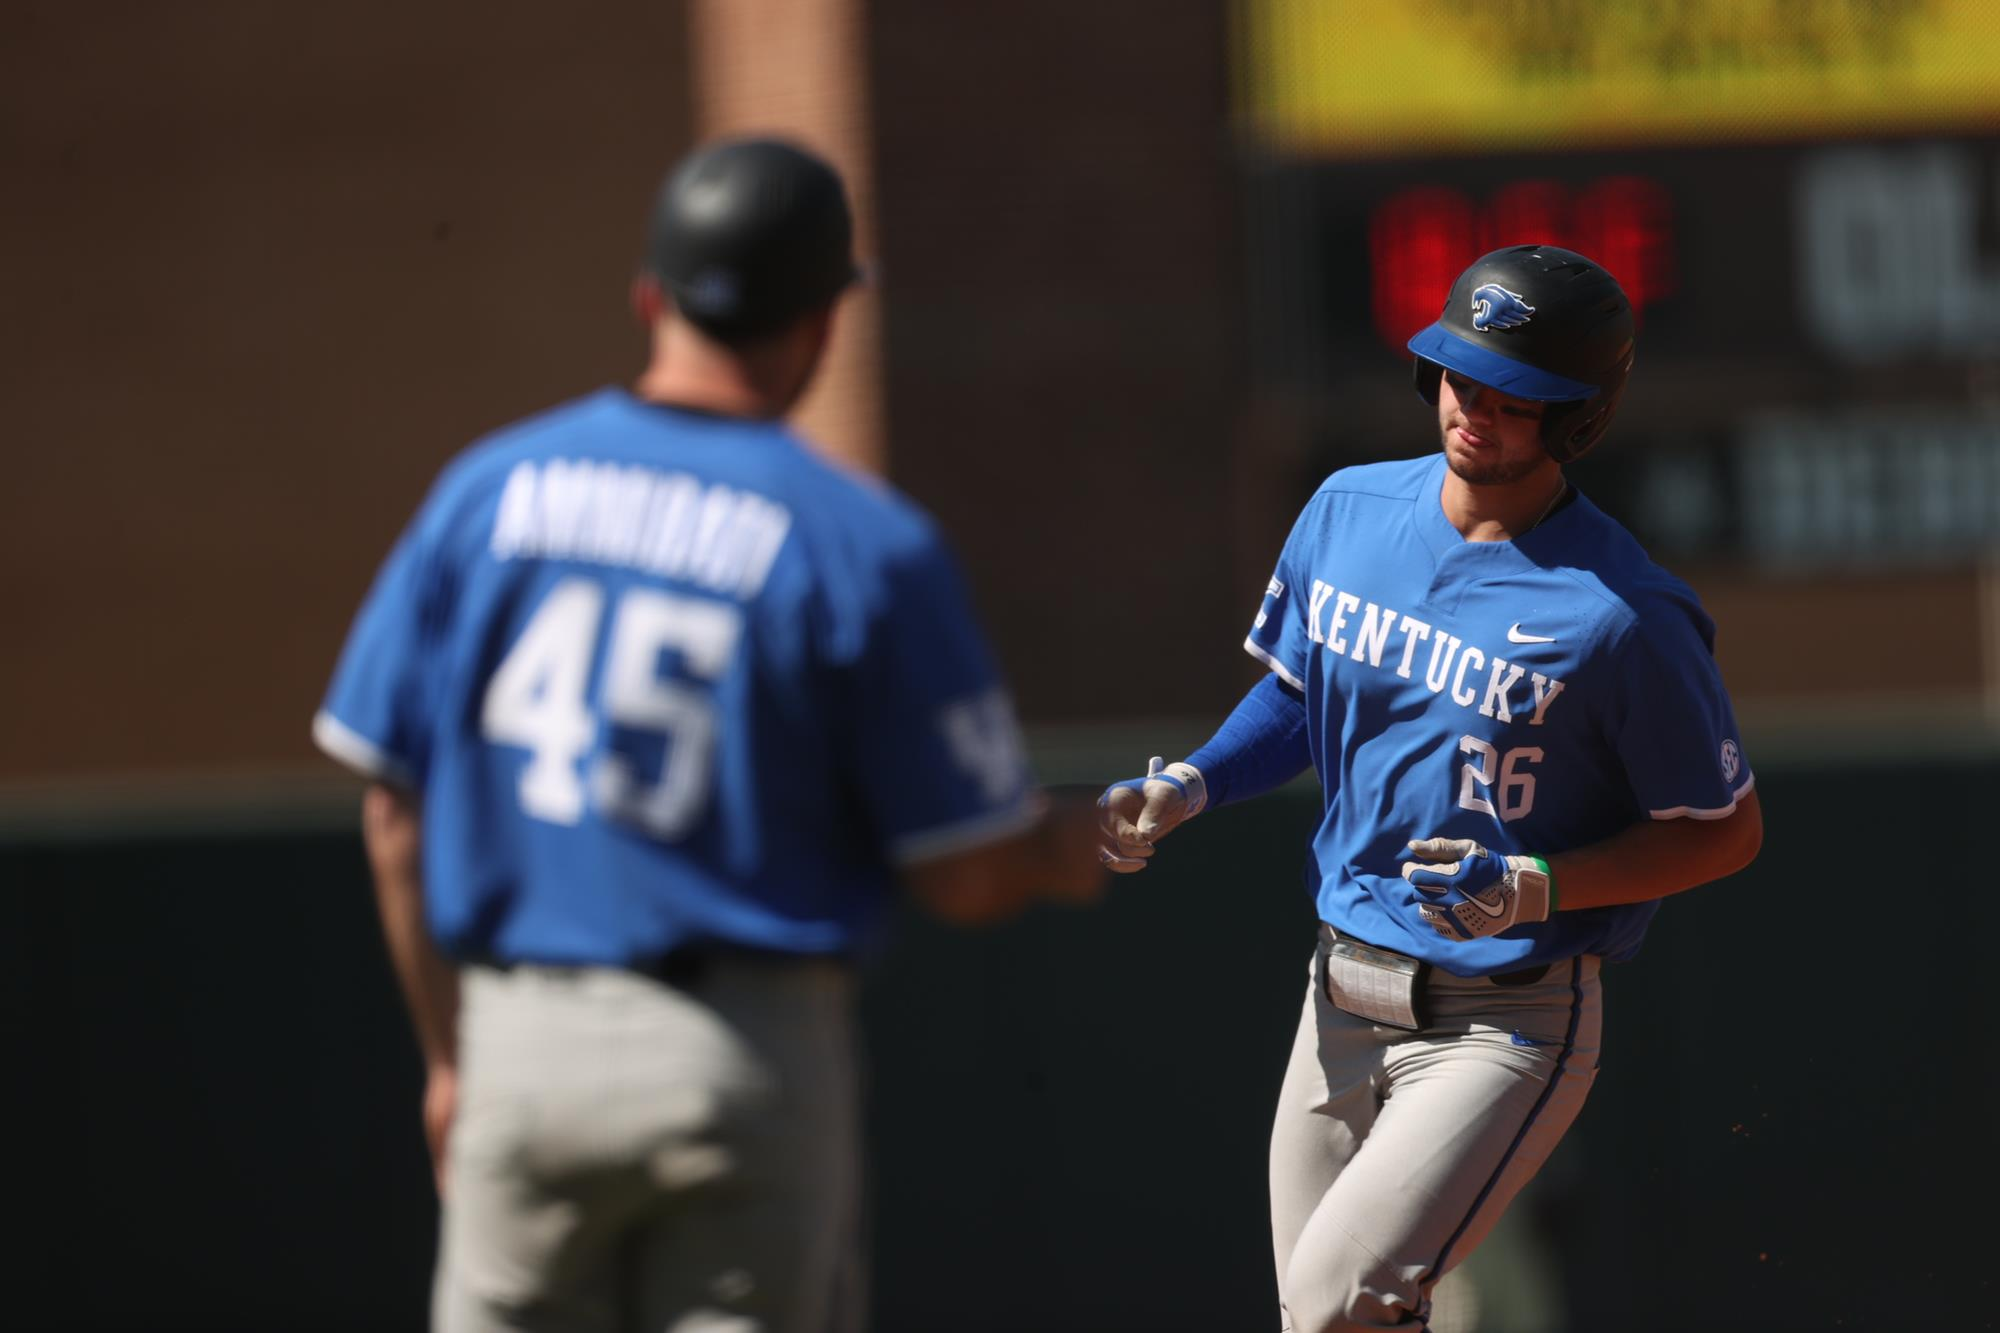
column 1494, row 307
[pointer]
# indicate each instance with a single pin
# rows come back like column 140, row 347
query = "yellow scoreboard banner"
column 1369, row 77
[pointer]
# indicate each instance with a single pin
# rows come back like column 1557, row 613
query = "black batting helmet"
column 749, row 234
column 1541, row 323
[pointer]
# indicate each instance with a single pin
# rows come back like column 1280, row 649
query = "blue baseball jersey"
column 1536, row 695
column 664, row 678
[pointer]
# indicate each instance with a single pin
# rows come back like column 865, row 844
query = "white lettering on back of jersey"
column 560, row 513
column 665, row 523
column 718, row 511
column 514, row 523
column 670, row 522
column 617, row 519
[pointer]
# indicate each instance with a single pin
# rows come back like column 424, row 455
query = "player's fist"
column 1482, row 893
column 1138, row 812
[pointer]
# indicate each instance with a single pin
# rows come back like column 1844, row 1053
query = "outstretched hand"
column 1069, row 834
column 1135, row 814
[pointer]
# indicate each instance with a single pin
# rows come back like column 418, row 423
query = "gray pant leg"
column 776, row 1248
column 628, row 1155
column 1394, row 1153
column 1326, row 1107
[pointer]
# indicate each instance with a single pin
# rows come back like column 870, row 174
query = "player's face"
column 1490, row 438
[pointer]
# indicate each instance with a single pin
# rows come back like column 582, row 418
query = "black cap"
column 749, row 234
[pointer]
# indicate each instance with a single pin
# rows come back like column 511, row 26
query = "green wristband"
column 1552, row 882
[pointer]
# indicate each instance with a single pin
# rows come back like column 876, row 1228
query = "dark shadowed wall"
column 269, row 267
column 266, row 268
column 215, row 1095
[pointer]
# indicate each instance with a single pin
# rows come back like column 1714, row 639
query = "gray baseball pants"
column 1394, row 1152
column 632, row 1156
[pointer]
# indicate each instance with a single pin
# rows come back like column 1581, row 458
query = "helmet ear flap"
column 1569, row 430
column 1426, row 374
column 1565, row 427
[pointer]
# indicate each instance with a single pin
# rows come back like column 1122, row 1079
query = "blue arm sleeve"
column 1261, row 745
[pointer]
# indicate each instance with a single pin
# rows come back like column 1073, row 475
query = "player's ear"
column 821, row 322
column 648, row 301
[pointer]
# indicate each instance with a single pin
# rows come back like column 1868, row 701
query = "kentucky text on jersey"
column 663, row 523
column 1328, row 627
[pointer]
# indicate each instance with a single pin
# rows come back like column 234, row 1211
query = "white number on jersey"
column 635, row 696
column 1517, row 789
column 539, row 699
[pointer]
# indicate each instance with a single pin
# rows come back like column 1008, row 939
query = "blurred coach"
column 656, row 707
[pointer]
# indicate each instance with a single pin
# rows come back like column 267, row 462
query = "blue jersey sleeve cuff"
column 1716, row 812
column 1263, row 654
column 967, row 834
column 348, row 746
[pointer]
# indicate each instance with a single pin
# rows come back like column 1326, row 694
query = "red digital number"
column 1422, row 238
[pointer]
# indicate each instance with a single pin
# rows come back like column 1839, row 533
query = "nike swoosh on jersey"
column 1514, row 635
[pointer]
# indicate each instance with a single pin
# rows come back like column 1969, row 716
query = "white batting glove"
column 1138, row 812
column 1482, row 892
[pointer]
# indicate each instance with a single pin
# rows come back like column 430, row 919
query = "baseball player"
column 1524, row 744
column 656, row 707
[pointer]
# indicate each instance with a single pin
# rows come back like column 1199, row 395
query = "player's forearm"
column 1057, row 859
column 1657, row 858
column 392, row 828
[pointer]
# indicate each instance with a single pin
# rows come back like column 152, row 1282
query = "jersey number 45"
column 540, row 699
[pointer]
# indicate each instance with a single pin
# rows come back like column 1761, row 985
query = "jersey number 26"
column 1517, row 789
column 540, row 699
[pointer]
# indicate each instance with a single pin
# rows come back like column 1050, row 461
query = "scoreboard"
column 1419, row 234
column 1802, row 200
